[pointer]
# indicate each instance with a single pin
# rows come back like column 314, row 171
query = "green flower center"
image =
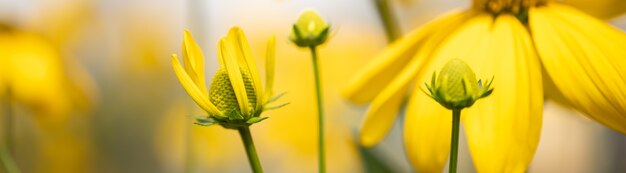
column 222, row 94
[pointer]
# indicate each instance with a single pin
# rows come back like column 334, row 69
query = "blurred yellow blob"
column 32, row 74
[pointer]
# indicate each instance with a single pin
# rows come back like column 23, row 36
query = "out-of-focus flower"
column 32, row 74
column 310, row 30
column 581, row 57
column 236, row 98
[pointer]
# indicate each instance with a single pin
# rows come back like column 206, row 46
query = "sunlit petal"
column 584, row 58
column 427, row 128
column 270, row 66
column 237, row 36
column 193, row 59
column 374, row 77
column 193, row 90
column 234, row 74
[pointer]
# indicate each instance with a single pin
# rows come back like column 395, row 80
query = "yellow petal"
column 239, row 40
column 584, row 58
column 383, row 111
column 427, row 128
column 192, row 89
column 270, row 66
column 503, row 130
column 604, row 9
column 234, row 74
column 193, row 59
column 375, row 76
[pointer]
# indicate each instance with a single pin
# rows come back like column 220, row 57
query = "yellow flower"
column 236, row 97
column 32, row 74
column 529, row 46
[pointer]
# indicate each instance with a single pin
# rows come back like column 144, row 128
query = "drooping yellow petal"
column 270, row 66
column 584, row 58
column 192, row 89
column 503, row 130
column 193, row 59
column 239, row 40
column 604, row 9
column 234, row 74
column 383, row 111
column 375, row 76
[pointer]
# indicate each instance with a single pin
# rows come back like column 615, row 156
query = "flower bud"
column 310, row 30
column 456, row 86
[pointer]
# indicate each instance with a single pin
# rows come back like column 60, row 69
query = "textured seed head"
column 222, row 94
column 457, row 81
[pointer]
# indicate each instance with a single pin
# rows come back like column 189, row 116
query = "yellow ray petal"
column 238, row 38
column 193, row 90
column 383, row 111
column 234, row 74
column 503, row 129
column 270, row 66
column 372, row 79
column 584, row 58
column 427, row 128
column 193, row 59
column 428, row 124
column 604, row 9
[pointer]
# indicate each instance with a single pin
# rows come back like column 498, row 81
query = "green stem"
column 253, row 158
column 454, row 146
column 320, row 110
column 391, row 27
column 6, row 156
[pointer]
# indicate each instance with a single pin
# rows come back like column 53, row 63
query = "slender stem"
column 389, row 22
column 253, row 158
column 320, row 110
column 6, row 152
column 454, row 146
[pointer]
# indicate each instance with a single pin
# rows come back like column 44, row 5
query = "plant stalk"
column 389, row 23
column 6, row 149
column 253, row 158
column 454, row 146
column 320, row 110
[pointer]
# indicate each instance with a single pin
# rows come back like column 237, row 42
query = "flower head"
column 236, row 97
column 582, row 58
column 309, row 30
column 456, row 87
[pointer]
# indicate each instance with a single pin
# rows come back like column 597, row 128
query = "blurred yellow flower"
column 527, row 45
column 32, row 74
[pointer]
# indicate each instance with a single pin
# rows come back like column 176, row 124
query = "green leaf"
column 256, row 120
column 276, row 97
column 234, row 115
column 205, row 121
column 275, row 107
